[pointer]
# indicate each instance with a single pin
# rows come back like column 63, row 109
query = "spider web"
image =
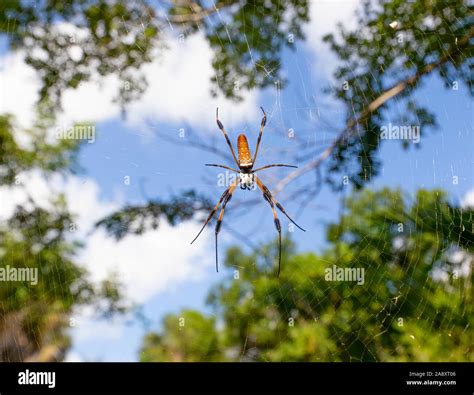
column 296, row 108
column 301, row 123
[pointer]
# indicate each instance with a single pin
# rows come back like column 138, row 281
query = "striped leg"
column 221, row 127
column 266, row 191
column 221, row 216
column 271, row 200
column 224, row 195
column 224, row 167
column 275, row 165
column 262, row 125
column 268, row 198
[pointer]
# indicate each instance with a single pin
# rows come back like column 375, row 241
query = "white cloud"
column 179, row 85
column 73, row 357
column 179, row 89
column 147, row 265
column 82, row 195
column 468, row 199
column 87, row 326
column 19, row 85
column 324, row 16
column 150, row 263
column 90, row 102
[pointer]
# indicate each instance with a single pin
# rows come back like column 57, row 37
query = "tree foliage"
column 396, row 43
column 189, row 337
column 34, row 316
column 72, row 41
column 415, row 304
column 247, row 47
column 15, row 158
column 138, row 219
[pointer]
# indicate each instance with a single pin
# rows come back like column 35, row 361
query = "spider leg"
column 221, row 216
column 262, row 126
column 224, row 195
column 268, row 198
column 275, row 165
column 265, row 190
column 221, row 127
column 225, row 167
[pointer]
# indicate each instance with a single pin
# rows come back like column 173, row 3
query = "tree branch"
column 372, row 107
column 197, row 13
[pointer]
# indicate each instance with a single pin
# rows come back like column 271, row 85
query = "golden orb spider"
column 247, row 180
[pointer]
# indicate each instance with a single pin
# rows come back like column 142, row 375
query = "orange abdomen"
column 243, row 151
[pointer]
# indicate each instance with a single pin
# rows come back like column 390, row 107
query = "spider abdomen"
column 243, row 150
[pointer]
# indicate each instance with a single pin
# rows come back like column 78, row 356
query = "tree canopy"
column 68, row 42
column 35, row 317
column 395, row 46
column 415, row 303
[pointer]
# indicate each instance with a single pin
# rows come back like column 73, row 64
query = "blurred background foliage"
column 118, row 37
column 71, row 41
column 34, row 318
column 397, row 43
column 416, row 303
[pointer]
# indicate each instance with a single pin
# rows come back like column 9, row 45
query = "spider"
column 247, row 180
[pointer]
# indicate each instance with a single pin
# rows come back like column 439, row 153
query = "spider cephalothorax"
column 247, row 180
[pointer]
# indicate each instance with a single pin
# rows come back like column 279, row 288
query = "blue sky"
column 158, row 169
